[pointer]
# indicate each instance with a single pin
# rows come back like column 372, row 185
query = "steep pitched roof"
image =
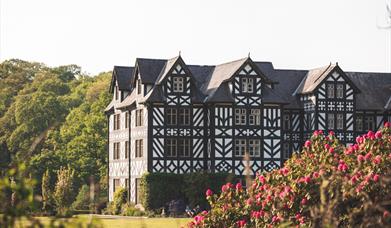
column 167, row 67
column 375, row 90
column 123, row 75
column 149, row 69
column 313, row 78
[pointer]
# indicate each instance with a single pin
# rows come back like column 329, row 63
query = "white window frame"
column 177, row 84
column 255, row 117
column 240, row 116
column 330, row 91
column 340, row 121
column 171, row 147
column 254, row 147
column 330, row 121
column 339, row 93
column 240, row 147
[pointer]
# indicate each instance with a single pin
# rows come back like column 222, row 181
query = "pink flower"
column 238, row 186
column 375, row 178
column 204, row 212
column 359, row 139
column 360, row 158
column 255, row 214
column 262, row 179
column 327, row 146
column 331, row 133
column 378, row 134
column 198, row 219
column 224, row 188
column 377, row 159
column 331, row 150
column 241, row 223
column 307, row 143
column 370, row 134
column 386, row 213
column 276, row 219
column 304, row 201
column 315, row 175
column 342, row 166
column 284, row 171
column 354, row 179
column 387, row 124
column 249, row 201
column 368, row 156
column 208, row 193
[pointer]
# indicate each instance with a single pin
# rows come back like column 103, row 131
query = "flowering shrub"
column 327, row 184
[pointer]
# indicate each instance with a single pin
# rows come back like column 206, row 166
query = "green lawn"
column 114, row 221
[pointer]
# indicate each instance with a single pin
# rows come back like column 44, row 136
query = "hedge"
column 157, row 189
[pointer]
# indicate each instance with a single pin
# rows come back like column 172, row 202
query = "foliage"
column 157, row 189
column 16, row 197
column 326, row 185
column 47, row 193
column 64, row 191
column 120, row 199
column 129, row 210
column 82, row 201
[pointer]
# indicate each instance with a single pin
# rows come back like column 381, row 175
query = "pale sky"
column 97, row 34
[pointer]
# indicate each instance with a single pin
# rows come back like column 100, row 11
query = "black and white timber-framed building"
column 168, row 116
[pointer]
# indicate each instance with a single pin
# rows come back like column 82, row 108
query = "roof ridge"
column 324, row 71
column 232, row 61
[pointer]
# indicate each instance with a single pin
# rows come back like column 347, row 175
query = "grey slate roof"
column 211, row 83
column 124, row 76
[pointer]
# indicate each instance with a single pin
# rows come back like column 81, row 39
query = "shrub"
column 82, row 201
column 120, row 199
column 47, row 194
column 327, row 184
column 158, row 189
column 64, row 192
column 130, row 210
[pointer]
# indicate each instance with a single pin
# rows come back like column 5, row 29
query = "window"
column 116, row 184
column 184, row 148
column 117, row 118
column 286, row 124
column 254, row 117
column 171, row 116
column 359, row 123
column 339, row 91
column 240, row 116
column 177, row 84
column 285, row 151
column 138, row 86
column 240, row 147
column 254, row 147
column 116, row 150
column 139, row 117
column 171, row 147
column 330, row 121
column 126, row 149
column 127, row 120
column 139, row 148
column 330, row 90
column 369, row 123
column 339, row 121
column 247, row 85
column 184, row 116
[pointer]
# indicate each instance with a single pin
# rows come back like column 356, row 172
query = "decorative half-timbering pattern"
column 271, row 137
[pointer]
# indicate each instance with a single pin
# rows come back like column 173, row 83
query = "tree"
column 47, row 194
column 64, row 191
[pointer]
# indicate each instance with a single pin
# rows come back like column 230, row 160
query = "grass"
column 112, row 221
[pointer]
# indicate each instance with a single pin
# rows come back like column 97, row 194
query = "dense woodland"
column 51, row 117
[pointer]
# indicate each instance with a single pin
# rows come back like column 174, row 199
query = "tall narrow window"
column 126, row 149
column 247, row 85
column 184, row 116
column 139, row 117
column 116, row 184
column 116, row 151
column 171, row 147
column 240, row 116
column 139, row 148
column 138, row 86
column 117, row 122
column 177, row 84
column 330, row 121
column 183, row 147
column 255, row 117
column 127, row 120
column 340, row 121
column 359, row 123
column 286, row 124
column 330, row 91
column 285, row 151
column 240, row 147
column 254, row 147
column 171, row 116
column 339, row 91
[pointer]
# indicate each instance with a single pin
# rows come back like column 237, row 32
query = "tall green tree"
column 64, row 193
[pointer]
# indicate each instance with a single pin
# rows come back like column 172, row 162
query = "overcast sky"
column 97, row 34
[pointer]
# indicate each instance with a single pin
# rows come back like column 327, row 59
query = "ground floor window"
column 178, row 147
column 240, row 147
column 254, row 147
column 369, row 123
column 116, row 184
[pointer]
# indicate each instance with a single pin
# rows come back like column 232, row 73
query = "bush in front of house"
column 326, row 185
column 159, row 189
column 120, row 199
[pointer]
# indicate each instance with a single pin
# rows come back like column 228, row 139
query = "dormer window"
column 339, row 91
column 177, row 84
column 247, row 85
column 330, row 90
